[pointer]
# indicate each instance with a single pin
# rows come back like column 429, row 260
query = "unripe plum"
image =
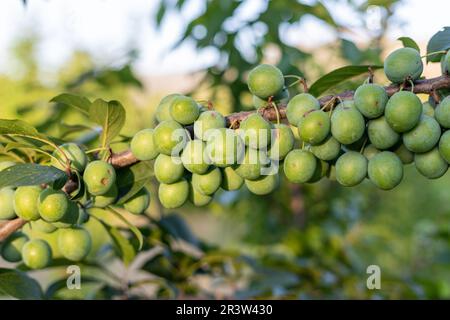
column 36, row 254
column 403, row 111
column 442, row 113
column 347, row 125
column 7, row 204
column 265, row 81
column 299, row 166
column 168, row 169
column 26, row 202
column 206, row 123
column 282, row 142
column 163, row 109
column 207, row 183
column 351, row 168
column 194, row 157
column 385, row 170
column 143, row 145
column 424, row 136
column 299, row 105
column 99, row 177
column 230, row 179
column 381, row 135
column 52, row 204
column 173, row 195
column 184, row 110
column 403, row 64
column 225, row 147
column 256, row 131
column 77, row 157
column 74, row 243
column 314, row 127
column 263, row 185
column 371, row 99
column 328, row 150
column 138, row 203
column 431, row 164
column 170, row 137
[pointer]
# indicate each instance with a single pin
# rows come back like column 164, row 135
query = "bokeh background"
column 310, row 241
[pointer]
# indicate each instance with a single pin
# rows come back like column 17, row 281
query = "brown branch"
column 126, row 158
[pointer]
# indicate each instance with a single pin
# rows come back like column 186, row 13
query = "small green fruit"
column 169, row 137
column 328, row 150
column 71, row 216
column 370, row 151
column 99, row 177
column 163, row 109
column 225, row 147
column 381, row 135
column 371, row 99
column 36, row 254
column 263, row 185
column 168, row 169
column 52, row 205
column 173, row 195
column 194, row 157
column 444, row 146
column 299, row 105
column 256, row 131
column 314, row 127
column 385, row 170
column 230, row 179
column 299, row 166
column 442, row 113
column 431, row 164
column 206, row 123
column 184, row 110
column 282, row 142
column 138, row 203
column 11, row 249
column 197, row 198
column 74, row 243
column 207, row 183
column 427, row 109
column 322, row 169
column 43, row 226
column 77, row 157
column 403, row 111
column 265, row 81
column 107, row 198
column 250, row 168
column 424, row 136
column 404, row 154
column 26, row 202
column 351, row 168
column 347, row 125
column 143, row 145
column 7, row 204
column 403, row 64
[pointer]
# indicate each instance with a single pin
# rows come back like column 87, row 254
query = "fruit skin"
column 328, row 150
column 207, row 183
column 163, row 109
column 6, row 164
column 370, row 99
column 431, row 164
column 299, row 166
column 74, row 243
column 263, row 185
column 314, row 127
column 173, row 195
column 255, row 131
column 26, row 202
column 184, row 110
column 299, row 105
column 143, row 145
column 444, row 146
column 36, row 254
column 322, row 169
column 445, row 63
column 347, row 125
column 230, row 179
column 194, row 157
column 138, row 203
column 106, row 199
column 427, row 109
column 265, row 81
column 99, row 177
column 52, row 205
column 168, row 169
column 206, row 123
column 403, row 111
column 370, row 151
column 197, row 198
column 77, row 157
column 442, row 113
column 351, row 168
column 43, row 226
column 403, row 153
column 385, row 170
column 7, row 204
column 70, row 218
column 225, row 147
column 250, row 168
column 424, row 136
column 381, row 135
column 11, row 249
column 403, row 63
column 169, row 137
column 282, row 142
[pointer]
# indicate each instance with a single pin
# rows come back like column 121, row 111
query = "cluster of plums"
column 55, row 222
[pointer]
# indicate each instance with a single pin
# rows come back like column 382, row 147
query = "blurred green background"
column 311, row 241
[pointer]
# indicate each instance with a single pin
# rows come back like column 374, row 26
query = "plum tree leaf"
column 123, row 245
column 110, row 115
column 133, row 229
column 337, row 76
column 80, row 103
column 22, row 129
column 30, row 174
column 17, row 284
column 440, row 41
column 132, row 179
column 409, row 43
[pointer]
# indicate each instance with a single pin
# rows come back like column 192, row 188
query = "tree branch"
column 126, row 158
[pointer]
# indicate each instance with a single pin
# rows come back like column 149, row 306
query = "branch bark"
column 126, row 158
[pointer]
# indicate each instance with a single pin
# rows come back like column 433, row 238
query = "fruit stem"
column 274, row 105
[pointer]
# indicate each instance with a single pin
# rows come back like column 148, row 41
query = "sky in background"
column 108, row 28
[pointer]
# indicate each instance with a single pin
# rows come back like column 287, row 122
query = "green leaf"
column 177, row 227
column 133, row 228
column 409, row 43
column 124, row 246
column 132, row 179
column 18, row 285
column 78, row 102
column 30, row 174
column 337, row 76
column 438, row 42
column 61, row 284
column 111, row 116
column 23, row 129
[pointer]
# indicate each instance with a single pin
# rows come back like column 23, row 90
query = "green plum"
column 299, row 105
column 184, row 110
column 403, row 64
column 299, row 166
column 225, row 147
column 351, row 168
column 207, row 122
column 36, row 254
column 256, row 131
column 282, row 142
column 52, row 205
column 168, row 169
column 230, row 179
column 431, row 164
column 77, row 157
column 99, row 177
column 169, row 137
column 347, row 125
column 26, row 202
column 207, row 183
column 424, row 136
column 442, row 113
column 403, row 111
column 173, row 195
column 138, row 203
column 328, row 150
column 385, row 170
column 371, row 99
column 250, row 168
column 314, row 127
column 265, row 81
column 263, row 185
column 107, row 198
column 194, row 157
column 444, row 146
column 163, row 109
column 7, row 204
column 381, row 135
column 74, row 243
column 143, row 146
